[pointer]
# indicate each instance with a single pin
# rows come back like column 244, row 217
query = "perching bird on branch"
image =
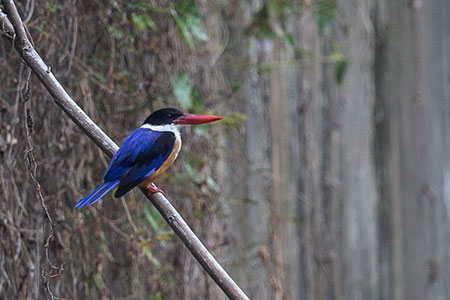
column 146, row 153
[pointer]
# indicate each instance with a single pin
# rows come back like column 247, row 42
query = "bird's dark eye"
column 169, row 115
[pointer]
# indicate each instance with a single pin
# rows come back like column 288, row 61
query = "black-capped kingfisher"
column 146, row 153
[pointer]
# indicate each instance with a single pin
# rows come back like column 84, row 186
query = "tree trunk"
column 411, row 63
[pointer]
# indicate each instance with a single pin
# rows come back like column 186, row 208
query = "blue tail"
column 97, row 194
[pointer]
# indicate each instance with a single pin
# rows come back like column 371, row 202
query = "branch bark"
column 12, row 27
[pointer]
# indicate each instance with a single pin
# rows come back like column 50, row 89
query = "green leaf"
column 260, row 26
column 325, row 14
column 192, row 173
column 153, row 217
column 303, row 52
column 197, row 102
column 144, row 6
column 189, row 22
column 183, row 29
column 236, row 85
column 189, row 170
column 117, row 33
column 249, row 201
column 99, row 281
column 53, row 7
column 236, row 120
column 143, row 21
column 156, row 296
column 201, row 130
column 289, row 39
column 195, row 25
column 213, row 184
column 151, row 24
column 340, row 69
column 149, row 254
column 182, row 88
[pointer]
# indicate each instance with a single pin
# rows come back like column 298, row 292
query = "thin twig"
column 170, row 214
column 25, row 95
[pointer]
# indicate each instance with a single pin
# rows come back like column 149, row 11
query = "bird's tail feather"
column 97, row 194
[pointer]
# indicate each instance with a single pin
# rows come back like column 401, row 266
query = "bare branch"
column 6, row 26
column 63, row 100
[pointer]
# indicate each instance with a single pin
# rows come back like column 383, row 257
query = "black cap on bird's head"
column 166, row 116
column 163, row 116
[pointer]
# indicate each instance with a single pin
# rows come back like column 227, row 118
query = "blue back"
column 140, row 155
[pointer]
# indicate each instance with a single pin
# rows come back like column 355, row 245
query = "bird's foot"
column 151, row 190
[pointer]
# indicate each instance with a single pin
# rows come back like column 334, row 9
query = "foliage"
column 153, row 217
column 269, row 22
column 182, row 88
column 325, row 15
column 260, row 26
column 156, row 296
column 341, row 67
column 110, row 56
column 143, row 21
column 188, row 98
column 185, row 14
column 189, row 22
column 236, row 120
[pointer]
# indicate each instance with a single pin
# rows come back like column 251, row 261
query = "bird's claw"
column 151, row 190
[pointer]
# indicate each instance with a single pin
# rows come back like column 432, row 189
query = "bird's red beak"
column 191, row 119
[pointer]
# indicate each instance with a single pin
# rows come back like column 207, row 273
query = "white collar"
column 174, row 128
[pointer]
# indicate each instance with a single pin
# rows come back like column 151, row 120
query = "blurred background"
column 328, row 179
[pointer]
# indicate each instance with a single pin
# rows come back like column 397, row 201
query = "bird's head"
column 169, row 116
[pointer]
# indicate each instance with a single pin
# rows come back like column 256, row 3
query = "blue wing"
column 137, row 142
column 146, row 160
column 140, row 155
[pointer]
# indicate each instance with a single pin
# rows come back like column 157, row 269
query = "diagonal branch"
column 6, row 26
column 12, row 27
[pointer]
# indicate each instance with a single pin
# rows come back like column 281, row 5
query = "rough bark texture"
column 357, row 188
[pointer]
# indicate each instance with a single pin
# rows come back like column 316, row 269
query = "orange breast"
column 164, row 166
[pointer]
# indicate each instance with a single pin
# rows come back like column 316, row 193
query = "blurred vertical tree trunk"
column 412, row 70
column 351, row 105
column 311, row 169
column 367, row 148
column 267, row 206
column 339, row 233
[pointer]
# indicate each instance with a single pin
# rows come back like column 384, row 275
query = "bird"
column 146, row 153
